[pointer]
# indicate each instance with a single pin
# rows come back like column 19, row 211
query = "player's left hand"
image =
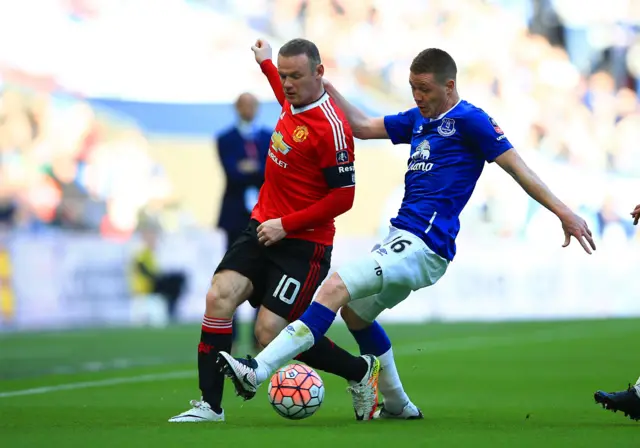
column 271, row 231
column 575, row 226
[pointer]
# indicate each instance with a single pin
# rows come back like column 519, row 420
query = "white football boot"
column 409, row 412
column 365, row 393
column 199, row 412
column 242, row 372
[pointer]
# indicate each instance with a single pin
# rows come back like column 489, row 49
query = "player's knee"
column 265, row 333
column 221, row 300
column 333, row 294
column 352, row 320
column 219, row 303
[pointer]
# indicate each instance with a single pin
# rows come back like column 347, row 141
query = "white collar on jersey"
column 441, row 116
column 319, row 101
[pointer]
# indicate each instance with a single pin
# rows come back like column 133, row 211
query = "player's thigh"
column 402, row 261
column 362, row 277
column 407, row 262
column 369, row 308
column 296, row 270
column 241, row 273
column 267, row 326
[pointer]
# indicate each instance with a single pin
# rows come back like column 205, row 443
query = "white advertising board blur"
column 70, row 280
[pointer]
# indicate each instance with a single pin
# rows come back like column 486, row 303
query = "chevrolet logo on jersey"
column 277, row 142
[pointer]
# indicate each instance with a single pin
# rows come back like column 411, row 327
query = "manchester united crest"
column 300, row 134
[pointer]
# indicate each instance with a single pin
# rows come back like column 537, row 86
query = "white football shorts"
column 400, row 264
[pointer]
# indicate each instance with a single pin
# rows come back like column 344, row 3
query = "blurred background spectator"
column 155, row 292
column 243, row 150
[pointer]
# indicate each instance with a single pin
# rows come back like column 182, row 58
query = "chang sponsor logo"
column 419, row 160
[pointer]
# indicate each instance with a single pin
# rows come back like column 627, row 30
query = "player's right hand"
column 635, row 214
column 261, row 50
column 575, row 226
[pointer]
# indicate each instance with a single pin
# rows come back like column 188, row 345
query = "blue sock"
column 372, row 340
column 318, row 318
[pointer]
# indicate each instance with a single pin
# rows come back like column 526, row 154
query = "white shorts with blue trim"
column 400, row 264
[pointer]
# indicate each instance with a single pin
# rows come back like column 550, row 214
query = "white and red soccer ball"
column 296, row 391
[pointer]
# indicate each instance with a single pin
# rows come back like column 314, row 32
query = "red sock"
column 216, row 336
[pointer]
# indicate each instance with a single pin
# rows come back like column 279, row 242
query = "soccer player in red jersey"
column 285, row 252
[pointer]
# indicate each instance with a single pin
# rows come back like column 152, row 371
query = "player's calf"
column 267, row 326
column 373, row 340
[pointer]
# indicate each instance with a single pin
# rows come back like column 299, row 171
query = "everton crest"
column 447, row 128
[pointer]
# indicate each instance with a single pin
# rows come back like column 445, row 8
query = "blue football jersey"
column 447, row 157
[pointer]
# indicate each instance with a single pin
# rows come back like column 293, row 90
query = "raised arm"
column 363, row 126
column 262, row 51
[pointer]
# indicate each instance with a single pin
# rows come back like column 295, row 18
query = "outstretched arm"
column 262, row 51
column 363, row 127
column 572, row 224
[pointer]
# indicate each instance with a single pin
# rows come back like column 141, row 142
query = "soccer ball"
column 296, row 391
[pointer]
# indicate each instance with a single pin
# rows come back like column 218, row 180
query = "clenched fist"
column 261, row 50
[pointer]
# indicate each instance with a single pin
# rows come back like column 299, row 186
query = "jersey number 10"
column 284, row 292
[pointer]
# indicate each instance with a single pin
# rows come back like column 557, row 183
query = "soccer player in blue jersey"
column 626, row 401
column 450, row 140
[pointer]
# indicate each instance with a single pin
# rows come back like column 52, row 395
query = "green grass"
column 479, row 385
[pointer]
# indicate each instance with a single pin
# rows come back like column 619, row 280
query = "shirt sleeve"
column 337, row 156
column 400, row 126
column 486, row 136
column 271, row 72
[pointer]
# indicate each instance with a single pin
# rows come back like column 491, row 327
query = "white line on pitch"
column 100, row 383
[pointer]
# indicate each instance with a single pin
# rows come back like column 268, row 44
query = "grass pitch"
column 479, row 385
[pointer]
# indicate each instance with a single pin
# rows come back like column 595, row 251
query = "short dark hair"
column 436, row 61
column 297, row 47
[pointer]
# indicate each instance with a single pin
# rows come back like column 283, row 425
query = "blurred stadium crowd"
column 561, row 77
column 62, row 167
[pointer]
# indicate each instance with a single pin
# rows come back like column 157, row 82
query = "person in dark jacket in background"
column 243, row 150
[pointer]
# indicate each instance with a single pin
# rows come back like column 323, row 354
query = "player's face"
column 301, row 83
column 431, row 96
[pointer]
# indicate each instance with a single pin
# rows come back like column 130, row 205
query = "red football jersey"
column 311, row 152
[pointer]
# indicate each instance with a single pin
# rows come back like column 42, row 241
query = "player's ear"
column 450, row 85
column 319, row 71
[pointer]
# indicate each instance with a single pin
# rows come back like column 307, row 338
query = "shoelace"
column 198, row 404
column 246, row 362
